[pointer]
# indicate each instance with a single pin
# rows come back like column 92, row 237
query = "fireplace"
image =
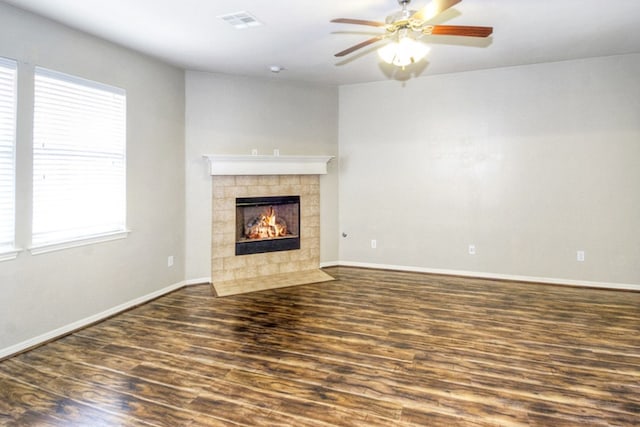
column 261, row 181
column 267, row 224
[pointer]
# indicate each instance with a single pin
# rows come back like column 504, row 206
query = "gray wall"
column 530, row 164
column 233, row 115
column 42, row 295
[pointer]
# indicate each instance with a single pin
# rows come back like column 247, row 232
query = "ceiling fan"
column 406, row 26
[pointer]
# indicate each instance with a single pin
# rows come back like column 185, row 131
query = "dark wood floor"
column 373, row 348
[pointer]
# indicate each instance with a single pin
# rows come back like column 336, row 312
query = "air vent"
column 241, row 20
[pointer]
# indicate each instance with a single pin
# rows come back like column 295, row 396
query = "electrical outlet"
column 170, row 261
column 374, row 244
column 580, row 256
column 472, row 249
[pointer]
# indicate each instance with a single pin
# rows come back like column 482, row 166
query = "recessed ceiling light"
column 241, row 20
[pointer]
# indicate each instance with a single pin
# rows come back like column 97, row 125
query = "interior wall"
column 529, row 164
column 48, row 292
column 234, row 115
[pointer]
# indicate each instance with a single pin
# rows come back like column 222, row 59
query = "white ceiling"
column 298, row 36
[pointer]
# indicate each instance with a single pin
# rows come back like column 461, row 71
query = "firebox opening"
column 267, row 224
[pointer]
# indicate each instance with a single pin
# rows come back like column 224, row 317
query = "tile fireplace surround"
column 232, row 177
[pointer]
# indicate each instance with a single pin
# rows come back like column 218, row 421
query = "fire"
column 266, row 226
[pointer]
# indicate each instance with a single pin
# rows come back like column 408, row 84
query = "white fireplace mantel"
column 222, row 164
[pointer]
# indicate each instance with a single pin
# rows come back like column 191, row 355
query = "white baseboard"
column 329, row 264
column 56, row 333
column 496, row 276
column 200, row 281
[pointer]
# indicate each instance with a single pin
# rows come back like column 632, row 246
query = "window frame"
column 44, row 241
column 8, row 250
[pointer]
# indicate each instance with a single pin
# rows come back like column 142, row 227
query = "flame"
column 266, row 226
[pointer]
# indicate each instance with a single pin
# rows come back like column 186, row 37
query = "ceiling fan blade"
column 359, row 46
column 458, row 30
column 432, row 9
column 358, row 22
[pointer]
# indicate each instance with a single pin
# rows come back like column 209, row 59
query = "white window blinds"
column 79, row 159
column 8, row 77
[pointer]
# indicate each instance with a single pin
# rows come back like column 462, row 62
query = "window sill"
column 8, row 255
column 52, row 247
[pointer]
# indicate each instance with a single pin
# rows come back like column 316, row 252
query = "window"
column 79, row 159
column 8, row 77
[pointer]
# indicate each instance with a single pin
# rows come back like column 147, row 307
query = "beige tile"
column 223, row 276
column 217, row 264
column 300, row 254
column 269, row 180
column 220, row 227
column 289, row 190
column 312, row 243
column 247, row 180
column 225, row 251
column 294, row 255
column 290, row 180
column 230, row 238
column 308, row 179
column 280, row 257
column 244, row 273
column 269, row 269
column 313, row 200
column 225, row 203
column 258, row 259
column 261, row 190
column 238, row 191
column 310, row 232
column 308, row 265
column 218, row 240
column 305, row 190
column 236, row 262
column 218, row 192
column 306, row 210
column 224, row 215
column 224, row 180
column 290, row 267
column 312, row 221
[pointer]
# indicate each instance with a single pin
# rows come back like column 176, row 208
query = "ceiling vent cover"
column 241, row 20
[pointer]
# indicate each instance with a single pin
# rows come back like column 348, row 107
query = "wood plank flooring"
column 372, row 348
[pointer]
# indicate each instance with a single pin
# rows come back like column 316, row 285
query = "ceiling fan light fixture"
column 404, row 52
